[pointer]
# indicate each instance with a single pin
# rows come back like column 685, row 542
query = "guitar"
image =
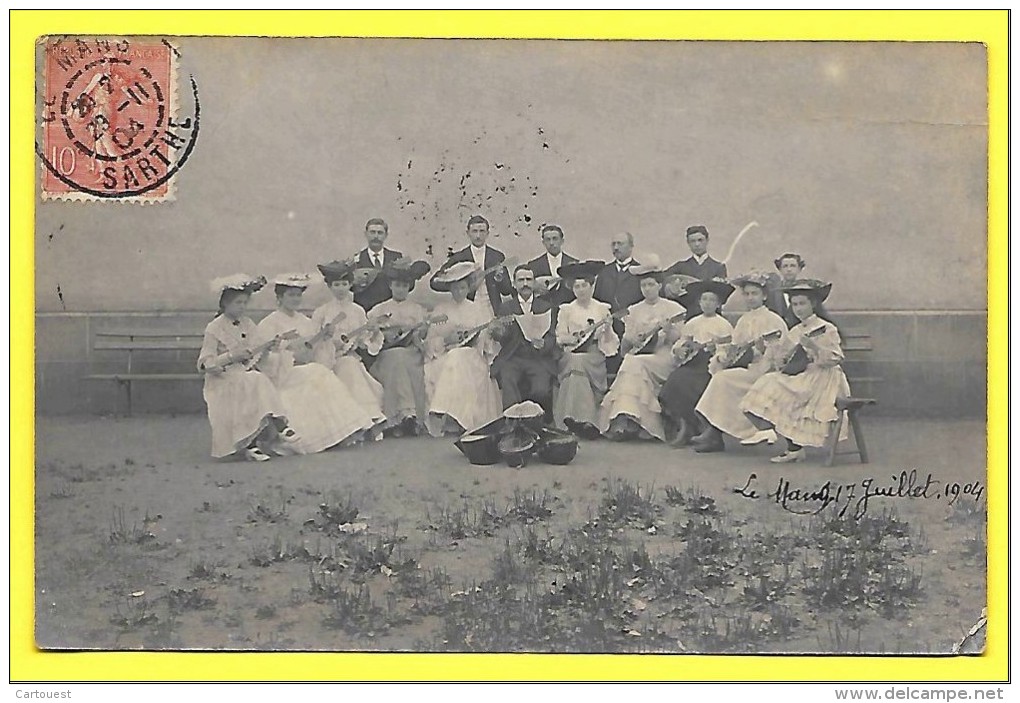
column 585, row 335
column 404, row 334
column 254, row 354
column 646, row 342
column 466, row 337
column 741, row 356
column 797, row 361
column 350, row 339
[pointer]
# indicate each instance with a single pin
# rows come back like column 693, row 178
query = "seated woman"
column 797, row 404
column 700, row 338
column 351, row 330
column 244, row 408
column 584, row 330
column 318, row 405
column 736, row 367
column 399, row 366
column 461, row 393
column 631, row 408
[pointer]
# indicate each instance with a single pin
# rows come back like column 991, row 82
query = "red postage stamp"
column 112, row 128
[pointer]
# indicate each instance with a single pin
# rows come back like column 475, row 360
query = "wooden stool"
column 848, row 407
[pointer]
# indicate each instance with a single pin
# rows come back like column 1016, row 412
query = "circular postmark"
column 112, row 126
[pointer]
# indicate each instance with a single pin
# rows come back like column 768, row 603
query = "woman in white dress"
column 351, row 332
column 631, row 407
column 400, row 365
column 700, row 338
column 736, row 367
column 318, row 405
column 584, row 331
column 801, row 405
column 244, row 408
column 461, row 393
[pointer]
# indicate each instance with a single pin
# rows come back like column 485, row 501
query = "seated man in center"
column 525, row 367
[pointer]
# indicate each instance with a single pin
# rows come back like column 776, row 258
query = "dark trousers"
column 526, row 379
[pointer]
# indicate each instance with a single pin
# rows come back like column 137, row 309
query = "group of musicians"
column 554, row 330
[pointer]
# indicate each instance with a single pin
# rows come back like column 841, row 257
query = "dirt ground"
column 143, row 541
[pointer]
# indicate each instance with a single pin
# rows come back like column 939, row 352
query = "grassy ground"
column 142, row 541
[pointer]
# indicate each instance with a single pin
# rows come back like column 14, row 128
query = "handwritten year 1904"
column 809, row 500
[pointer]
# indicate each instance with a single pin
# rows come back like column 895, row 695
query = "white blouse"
column 574, row 317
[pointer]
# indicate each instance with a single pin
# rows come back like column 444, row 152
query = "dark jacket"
column 562, row 293
column 706, row 271
column 514, row 345
column 776, row 302
column 496, row 289
column 379, row 289
column 619, row 289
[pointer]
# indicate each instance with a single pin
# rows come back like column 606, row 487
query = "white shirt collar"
column 554, row 261
column 700, row 259
column 526, row 305
column 478, row 254
column 626, row 262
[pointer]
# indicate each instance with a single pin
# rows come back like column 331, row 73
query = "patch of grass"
column 627, row 503
column 336, row 509
column 123, row 533
column 528, row 508
column 180, row 600
column 271, row 508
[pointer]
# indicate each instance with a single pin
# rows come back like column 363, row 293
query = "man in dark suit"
column 700, row 265
column 526, row 365
column 790, row 267
column 375, row 288
column 548, row 264
column 497, row 282
column 617, row 286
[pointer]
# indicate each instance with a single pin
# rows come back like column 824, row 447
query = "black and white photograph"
column 423, row 345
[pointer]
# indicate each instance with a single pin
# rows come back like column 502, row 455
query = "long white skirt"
column 720, row 403
column 458, row 385
column 800, row 407
column 366, row 391
column 582, row 385
column 635, row 392
column 241, row 404
column 319, row 408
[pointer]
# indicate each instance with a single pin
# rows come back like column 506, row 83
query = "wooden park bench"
column 136, row 342
column 856, row 347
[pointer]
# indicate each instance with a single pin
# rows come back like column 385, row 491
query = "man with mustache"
column 548, row 264
column 526, row 365
column 371, row 288
column 618, row 287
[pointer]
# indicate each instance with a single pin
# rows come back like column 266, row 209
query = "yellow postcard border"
column 29, row 664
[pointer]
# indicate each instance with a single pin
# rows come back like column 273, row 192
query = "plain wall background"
column 867, row 158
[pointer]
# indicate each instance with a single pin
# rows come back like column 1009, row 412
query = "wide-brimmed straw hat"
column 292, row 280
column 406, row 270
column 651, row 267
column 811, row 287
column 756, row 277
column 692, row 295
column 335, row 270
column 237, row 281
column 581, row 269
column 456, row 272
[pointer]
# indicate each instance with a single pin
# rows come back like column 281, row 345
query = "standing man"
column 526, row 365
column 790, row 267
column 617, row 286
column 370, row 288
column 497, row 281
column 549, row 264
column 700, row 265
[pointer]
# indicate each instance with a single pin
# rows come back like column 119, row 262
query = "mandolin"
column 250, row 359
column 585, row 335
column 466, row 337
column 350, row 339
column 647, row 342
column 741, row 356
column 797, row 361
column 403, row 334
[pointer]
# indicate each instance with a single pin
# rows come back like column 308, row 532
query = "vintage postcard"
column 411, row 345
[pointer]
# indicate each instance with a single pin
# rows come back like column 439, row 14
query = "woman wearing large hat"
column 461, row 393
column 584, row 331
column 800, row 405
column 245, row 411
column 350, row 330
column 399, row 366
column 319, row 406
column 701, row 337
column 631, row 407
column 736, row 366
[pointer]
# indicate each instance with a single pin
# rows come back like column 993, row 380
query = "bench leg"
column 862, row 449
column 127, row 387
column 836, row 428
